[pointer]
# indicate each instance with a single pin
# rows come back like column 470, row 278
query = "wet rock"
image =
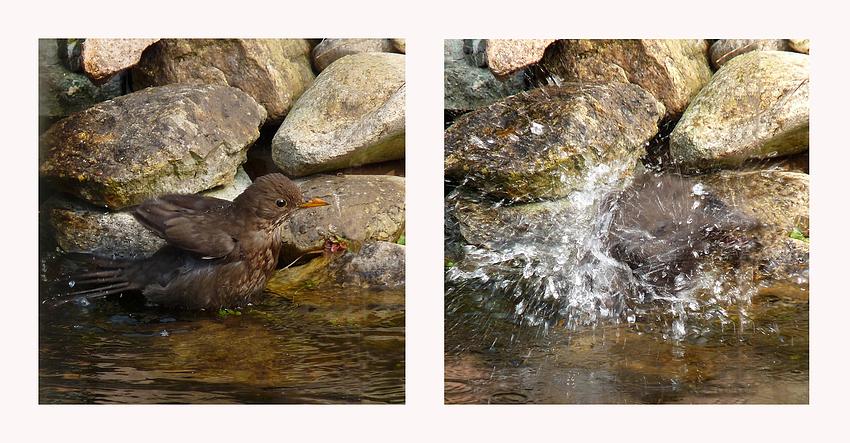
column 376, row 264
column 353, row 114
column 506, row 57
column 104, row 58
column 755, row 107
column 332, row 49
column 468, row 84
column 181, row 138
column 551, row 141
column 363, row 208
column 77, row 226
column 672, row 70
column 63, row 92
column 275, row 72
column 481, row 222
column 80, row 227
column 724, row 50
column 780, row 200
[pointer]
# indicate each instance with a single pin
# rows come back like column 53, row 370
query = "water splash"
column 569, row 267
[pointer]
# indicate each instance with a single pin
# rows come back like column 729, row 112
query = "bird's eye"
column 280, row 203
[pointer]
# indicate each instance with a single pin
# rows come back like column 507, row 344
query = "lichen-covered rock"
column 275, row 72
column 353, row 114
column 756, row 106
column 181, row 138
column 548, row 142
column 672, row 70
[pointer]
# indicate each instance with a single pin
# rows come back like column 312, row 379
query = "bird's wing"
column 188, row 222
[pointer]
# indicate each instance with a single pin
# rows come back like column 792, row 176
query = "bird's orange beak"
column 313, row 202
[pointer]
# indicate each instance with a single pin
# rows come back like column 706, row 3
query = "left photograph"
column 221, row 221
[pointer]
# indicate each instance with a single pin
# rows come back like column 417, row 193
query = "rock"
column 332, row 49
column 353, row 114
column 548, row 142
column 362, row 209
column 62, row 92
column 181, row 138
column 755, row 107
column 468, row 84
column 376, row 264
column 400, row 45
column 780, row 200
column 275, row 72
column 672, row 70
column 506, row 57
column 722, row 51
column 81, row 227
column 104, row 58
column 799, row 45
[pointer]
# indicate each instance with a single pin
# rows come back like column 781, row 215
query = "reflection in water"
column 760, row 358
column 274, row 352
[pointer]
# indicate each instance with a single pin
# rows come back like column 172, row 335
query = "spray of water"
column 662, row 255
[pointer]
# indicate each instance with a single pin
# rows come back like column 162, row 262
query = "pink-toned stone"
column 508, row 56
column 103, row 58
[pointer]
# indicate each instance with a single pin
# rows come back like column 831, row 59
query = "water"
column 278, row 351
column 545, row 310
column 760, row 356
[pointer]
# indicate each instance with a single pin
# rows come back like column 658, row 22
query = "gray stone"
column 79, row 227
column 104, row 58
column 506, row 57
column 62, row 92
column 330, row 50
column 468, row 84
column 755, row 107
column 275, row 72
column 181, row 138
column 353, row 114
column 363, row 208
column 548, row 142
column 672, row 70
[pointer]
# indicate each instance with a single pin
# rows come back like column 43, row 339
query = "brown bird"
column 220, row 254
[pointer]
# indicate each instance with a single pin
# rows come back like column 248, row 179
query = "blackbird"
column 662, row 226
column 220, row 254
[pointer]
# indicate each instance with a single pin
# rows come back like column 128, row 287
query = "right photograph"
column 626, row 221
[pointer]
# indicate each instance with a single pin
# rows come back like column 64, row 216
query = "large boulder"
column 672, row 70
column 353, row 114
column 275, row 72
column 181, row 138
column 548, row 142
column 756, row 106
